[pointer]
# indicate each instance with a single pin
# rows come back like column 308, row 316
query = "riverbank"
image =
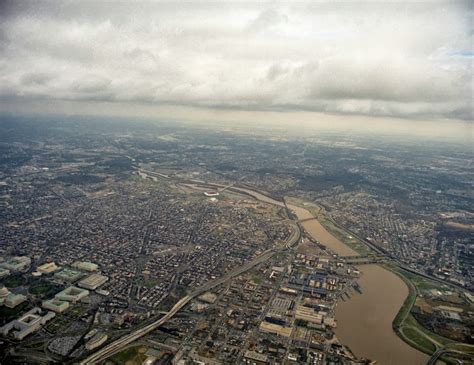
column 401, row 323
column 391, row 298
column 369, row 334
column 413, row 333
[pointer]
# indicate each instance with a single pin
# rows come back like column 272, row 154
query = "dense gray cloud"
column 393, row 59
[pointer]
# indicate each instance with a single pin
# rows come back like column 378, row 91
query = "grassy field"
column 345, row 237
column 462, row 347
column 418, row 341
column 423, row 284
column 77, row 310
column 438, row 340
column 41, row 289
column 257, row 279
column 150, row 283
column 408, row 328
column 313, row 208
column 130, row 356
column 10, row 313
column 409, row 301
column 231, row 195
column 14, row 281
column 56, row 325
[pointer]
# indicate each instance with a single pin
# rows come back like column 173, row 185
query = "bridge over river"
column 363, row 260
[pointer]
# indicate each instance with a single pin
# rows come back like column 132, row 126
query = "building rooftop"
column 47, row 268
column 17, row 263
column 208, row 297
column 72, row 294
column 12, row 300
column 85, row 265
column 28, row 323
column 4, row 272
column 55, row 305
column 68, row 275
column 93, row 281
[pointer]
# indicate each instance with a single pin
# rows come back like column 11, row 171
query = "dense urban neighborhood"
column 150, row 243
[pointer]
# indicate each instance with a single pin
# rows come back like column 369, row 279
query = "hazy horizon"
column 399, row 63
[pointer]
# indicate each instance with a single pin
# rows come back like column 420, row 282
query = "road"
column 117, row 345
column 402, row 265
column 441, row 351
column 120, row 343
column 242, row 188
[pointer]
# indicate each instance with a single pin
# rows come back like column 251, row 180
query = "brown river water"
column 364, row 322
column 318, row 232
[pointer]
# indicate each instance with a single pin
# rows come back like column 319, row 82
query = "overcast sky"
column 393, row 59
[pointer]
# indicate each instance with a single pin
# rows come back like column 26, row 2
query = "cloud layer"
column 402, row 59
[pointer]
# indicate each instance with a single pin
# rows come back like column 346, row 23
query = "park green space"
column 410, row 330
column 151, row 283
column 10, row 313
column 14, row 281
column 131, row 356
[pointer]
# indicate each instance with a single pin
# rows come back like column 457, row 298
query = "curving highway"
column 117, row 345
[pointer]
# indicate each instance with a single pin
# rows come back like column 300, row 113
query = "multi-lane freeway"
column 117, row 345
column 122, row 342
